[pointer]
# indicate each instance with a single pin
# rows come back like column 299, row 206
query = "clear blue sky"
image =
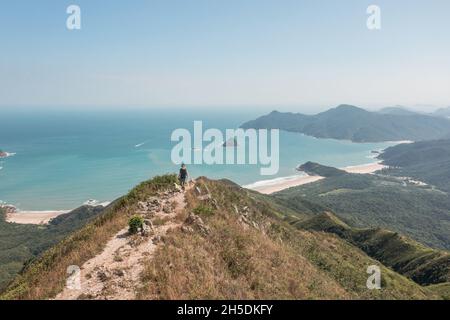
column 284, row 53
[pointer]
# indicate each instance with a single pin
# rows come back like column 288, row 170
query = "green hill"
column 356, row 124
column 316, row 169
column 427, row 161
column 420, row 263
column 423, row 213
column 226, row 243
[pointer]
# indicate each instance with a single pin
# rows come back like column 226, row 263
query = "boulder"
column 197, row 223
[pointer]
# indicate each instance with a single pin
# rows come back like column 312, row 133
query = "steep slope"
column 115, row 273
column 226, row 242
column 421, row 264
column 356, row 124
column 237, row 247
column 19, row 244
column 46, row 277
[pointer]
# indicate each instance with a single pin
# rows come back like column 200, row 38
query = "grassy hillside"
column 356, row 124
column 249, row 253
column 21, row 243
column 427, row 161
column 422, row 213
column 232, row 244
column 420, row 263
column 45, row 277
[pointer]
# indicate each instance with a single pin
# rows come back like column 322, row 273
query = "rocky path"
column 115, row 273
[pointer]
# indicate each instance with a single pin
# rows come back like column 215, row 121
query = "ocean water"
column 62, row 159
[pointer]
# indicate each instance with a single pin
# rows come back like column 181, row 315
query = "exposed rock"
column 146, row 230
column 215, row 204
column 142, row 206
column 8, row 208
column 198, row 223
column 204, row 197
column 167, row 208
column 103, row 275
column 187, row 229
column 156, row 239
column 148, row 222
column 119, row 272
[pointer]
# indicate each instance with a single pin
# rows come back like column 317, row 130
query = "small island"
column 230, row 143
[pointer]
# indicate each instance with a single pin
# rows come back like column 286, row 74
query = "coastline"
column 279, row 184
column 33, row 217
column 40, row 217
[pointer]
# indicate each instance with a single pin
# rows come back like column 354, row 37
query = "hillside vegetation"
column 20, row 244
column 229, row 243
column 427, row 161
column 246, row 252
column 356, row 124
column 46, row 276
column 423, row 213
column 420, row 263
column 315, row 169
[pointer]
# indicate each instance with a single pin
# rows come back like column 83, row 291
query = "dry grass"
column 233, row 261
column 263, row 258
column 246, row 252
column 46, row 277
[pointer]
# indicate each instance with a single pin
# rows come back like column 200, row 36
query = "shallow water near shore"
column 62, row 159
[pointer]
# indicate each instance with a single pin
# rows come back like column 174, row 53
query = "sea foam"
column 275, row 181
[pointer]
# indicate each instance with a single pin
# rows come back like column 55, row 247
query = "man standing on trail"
column 183, row 175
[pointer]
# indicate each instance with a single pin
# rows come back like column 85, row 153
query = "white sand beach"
column 365, row 168
column 278, row 184
column 281, row 184
column 33, row 217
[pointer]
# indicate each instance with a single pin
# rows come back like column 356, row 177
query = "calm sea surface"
column 62, row 159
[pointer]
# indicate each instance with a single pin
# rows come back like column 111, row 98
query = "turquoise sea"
column 63, row 158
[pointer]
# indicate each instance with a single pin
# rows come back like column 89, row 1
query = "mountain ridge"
column 347, row 122
column 229, row 243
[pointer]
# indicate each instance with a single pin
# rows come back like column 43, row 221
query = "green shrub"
column 135, row 223
column 202, row 210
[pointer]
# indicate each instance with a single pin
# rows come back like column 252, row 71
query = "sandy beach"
column 33, row 217
column 275, row 185
column 281, row 184
column 365, row 168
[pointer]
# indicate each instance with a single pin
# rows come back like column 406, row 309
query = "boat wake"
column 140, row 144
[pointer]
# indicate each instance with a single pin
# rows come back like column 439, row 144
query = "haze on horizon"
column 289, row 54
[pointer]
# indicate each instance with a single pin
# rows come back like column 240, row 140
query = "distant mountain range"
column 352, row 123
column 402, row 111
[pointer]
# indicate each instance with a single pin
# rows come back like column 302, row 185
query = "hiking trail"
column 115, row 273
